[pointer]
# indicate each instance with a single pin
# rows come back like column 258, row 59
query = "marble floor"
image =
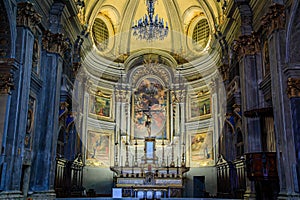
column 105, row 198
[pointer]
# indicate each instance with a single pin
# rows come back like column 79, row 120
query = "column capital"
column 247, row 44
column 293, row 87
column 54, row 43
column 7, row 68
column 274, row 19
column 27, row 16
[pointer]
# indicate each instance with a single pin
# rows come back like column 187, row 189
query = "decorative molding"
column 247, row 44
column 259, row 112
column 274, row 19
column 224, row 70
column 27, row 16
column 293, row 87
column 7, row 69
column 122, row 95
column 54, row 43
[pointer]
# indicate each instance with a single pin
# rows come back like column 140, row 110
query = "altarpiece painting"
column 149, row 106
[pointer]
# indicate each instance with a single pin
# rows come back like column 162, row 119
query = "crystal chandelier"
column 149, row 28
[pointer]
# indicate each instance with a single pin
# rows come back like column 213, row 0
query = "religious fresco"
column 149, row 107
column 202, row 149
column 200, row 107
column 98, row 149
column 100, row 105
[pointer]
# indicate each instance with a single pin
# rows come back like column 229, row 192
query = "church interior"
column 150, row 99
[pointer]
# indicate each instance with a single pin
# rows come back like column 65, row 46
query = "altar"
column 149, row 179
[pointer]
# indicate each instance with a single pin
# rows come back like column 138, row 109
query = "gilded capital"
column 274, row 19
column 293, row 87
column 27, row 16
column 247, row 45
column 53, row 43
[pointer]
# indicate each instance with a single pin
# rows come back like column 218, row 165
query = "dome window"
column 201, row 33
column 100, row 33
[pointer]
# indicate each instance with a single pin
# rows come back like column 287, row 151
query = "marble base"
column 11, row 195
column 43, row 195
column 288, row 196
column 250, row 196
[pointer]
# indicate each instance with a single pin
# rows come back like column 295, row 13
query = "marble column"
column 8, row 67
column 42, row 185
column 248, row 48
column 274, row 23
column 27, row 19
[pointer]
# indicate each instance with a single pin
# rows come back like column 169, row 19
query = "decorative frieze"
column 274, row 19
column 293, row 89
column 7, row 68
column 54, row 43
column 27, row 16
column 247, row 45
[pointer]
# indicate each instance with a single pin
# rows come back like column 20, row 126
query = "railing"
column 231, row 179
column 68, row 178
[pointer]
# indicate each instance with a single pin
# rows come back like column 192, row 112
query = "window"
column 100, row 33
column 201, row 33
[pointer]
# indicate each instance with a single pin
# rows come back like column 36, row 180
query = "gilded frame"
column 101, row 106
column 199, row 107
column 98, row 149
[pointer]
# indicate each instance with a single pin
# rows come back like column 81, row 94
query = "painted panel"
column 98, row 149
column 150, row 106
column 100, row 106
column 202, row 149
column 200, row 107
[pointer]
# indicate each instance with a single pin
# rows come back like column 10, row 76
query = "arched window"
column 100, row 33
column 201, row 33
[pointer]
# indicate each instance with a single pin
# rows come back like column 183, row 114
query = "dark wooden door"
column 199, row 186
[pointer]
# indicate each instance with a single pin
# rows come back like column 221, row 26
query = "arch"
column 112, row 13
column 137, row 58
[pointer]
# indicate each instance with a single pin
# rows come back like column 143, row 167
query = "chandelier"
column 149, row 28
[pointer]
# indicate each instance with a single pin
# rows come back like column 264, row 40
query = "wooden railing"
column 231, row 179
column 68, row 178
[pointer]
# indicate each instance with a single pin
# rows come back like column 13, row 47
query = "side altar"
column 149, row 179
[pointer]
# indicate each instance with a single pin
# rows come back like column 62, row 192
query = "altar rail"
column 68, row 178
column 231, row 180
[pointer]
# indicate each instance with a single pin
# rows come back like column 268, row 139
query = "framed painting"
column 98, row 149
column 149, row 109
column 201, row 148
column 199, row 107
column 100, row 105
